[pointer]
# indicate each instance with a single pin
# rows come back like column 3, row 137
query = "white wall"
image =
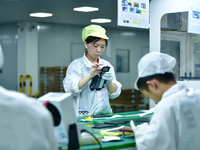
column 136, row 42
column 54, row 43
column 8, row 40
column 27, row 55
column 55, row 47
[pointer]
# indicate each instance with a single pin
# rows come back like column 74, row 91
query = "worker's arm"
column 111, row 88
column 95, row 69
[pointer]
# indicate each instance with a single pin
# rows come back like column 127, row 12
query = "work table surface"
column 126, row 142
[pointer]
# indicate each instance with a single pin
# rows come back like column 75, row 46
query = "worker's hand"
column 138, row 130
column 133, row 127
column 108, row 76
column 95, row 69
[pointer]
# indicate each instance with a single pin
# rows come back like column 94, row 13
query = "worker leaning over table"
column 175, row 124
column 81, row 71
column 25, row 124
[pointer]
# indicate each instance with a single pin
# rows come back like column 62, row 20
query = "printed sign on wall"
column 133, row 13
column 194, row 16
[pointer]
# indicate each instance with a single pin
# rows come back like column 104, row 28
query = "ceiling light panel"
column 41, row 15
column 101, row 20
column 86, row 9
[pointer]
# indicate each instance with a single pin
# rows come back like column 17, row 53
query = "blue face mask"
column 97, row 82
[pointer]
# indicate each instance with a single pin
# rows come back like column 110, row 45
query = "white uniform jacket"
column 96, row 101
column 175, row 124
column 25, row 123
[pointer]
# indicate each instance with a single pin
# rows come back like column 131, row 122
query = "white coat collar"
column 175, row 88
column 88, row 63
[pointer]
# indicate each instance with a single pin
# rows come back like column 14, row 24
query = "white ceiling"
column 62, row 10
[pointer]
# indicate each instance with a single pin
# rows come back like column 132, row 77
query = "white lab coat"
column 175, row 124
column 25, row 123
column 95, row 102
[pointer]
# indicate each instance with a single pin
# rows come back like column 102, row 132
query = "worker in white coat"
column 91, row 89
column 175, row 124
column 25, row 124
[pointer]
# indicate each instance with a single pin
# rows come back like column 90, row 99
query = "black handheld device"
column 97, row 82
column 104, row 70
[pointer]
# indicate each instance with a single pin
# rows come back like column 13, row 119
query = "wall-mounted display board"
column 194, row 16
column 133, row 13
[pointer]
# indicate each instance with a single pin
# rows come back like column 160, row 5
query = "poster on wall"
column 133, row 13
column 194, row 16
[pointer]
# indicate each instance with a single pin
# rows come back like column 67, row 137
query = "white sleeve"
column 73, row 76
column 160, row 133
column 45, row 126
column 50, row 136
column 118, row 91
column 117, row 84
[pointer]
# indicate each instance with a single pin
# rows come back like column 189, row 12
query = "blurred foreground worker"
column 90, row 79
column 25, row 124
column 175, row 124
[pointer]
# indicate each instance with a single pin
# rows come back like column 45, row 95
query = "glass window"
column 172, row 48
column 197, row 58
column 122, row 59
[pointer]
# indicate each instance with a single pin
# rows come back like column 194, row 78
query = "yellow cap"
column 94, row 30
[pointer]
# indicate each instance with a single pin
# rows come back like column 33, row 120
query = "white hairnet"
column 155, row 63
column 1, row 58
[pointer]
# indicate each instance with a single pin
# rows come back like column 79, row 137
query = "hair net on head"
column 94, row 30
column 155, row 63
column 1, row 57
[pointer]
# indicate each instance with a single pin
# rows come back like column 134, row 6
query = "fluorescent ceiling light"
column 101, row 20
column 86, row 9
column 41, row 15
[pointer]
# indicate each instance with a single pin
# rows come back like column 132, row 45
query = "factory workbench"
column 127, row 141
